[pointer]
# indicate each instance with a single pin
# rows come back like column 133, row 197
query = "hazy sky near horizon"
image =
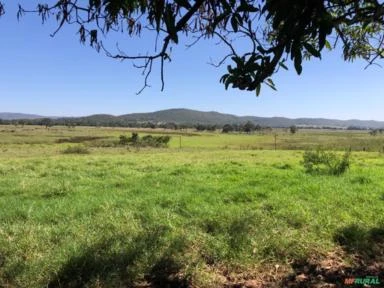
column 60, row 77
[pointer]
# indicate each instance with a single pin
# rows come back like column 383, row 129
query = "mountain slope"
column 15, row 116
column 192, row 117
column 182, row 116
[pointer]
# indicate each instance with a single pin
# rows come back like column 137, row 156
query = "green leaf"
column 297, row 62
column 283, row 66
column 228, row 81
column 258, row 88
column 312, row 50
column 298, row 67
column 328, row 45
column 322, row 36
column 271, row 84
column 239, row 61
column 224, row 78
column 234, row 23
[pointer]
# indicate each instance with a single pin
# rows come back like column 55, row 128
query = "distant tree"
column 185, row 126
column 200, row 127
column 73, row 125
column 171, row 125
column 47, row 122
column 69, row 124
column 237, row 127
column 249, row 127
column 373, row 132
column 356, row 128
column 22, row 122
column 293, row 129
column 267, row 129
column 149, row 125
column 227, row 128
column 211, row 128
column 276, row 31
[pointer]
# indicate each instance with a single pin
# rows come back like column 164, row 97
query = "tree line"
column 247, row 127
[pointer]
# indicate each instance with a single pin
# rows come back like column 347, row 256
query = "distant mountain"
column 187, row 116
column 193, row 117
column 314, row 122
column 183, row 116
column 15, row 116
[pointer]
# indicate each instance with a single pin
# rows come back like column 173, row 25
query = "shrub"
column 320, row 161
column 124, row 140
column 148, row 140
column 293, row 129
column 76, row 150
column 103, row 143
column 227, row 128
column 78, row 139
column 155, row 141
column 134, row 138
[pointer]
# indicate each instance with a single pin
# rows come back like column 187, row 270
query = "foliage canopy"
column 276, row 31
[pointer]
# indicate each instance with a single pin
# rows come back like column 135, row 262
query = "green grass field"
column 220, row 210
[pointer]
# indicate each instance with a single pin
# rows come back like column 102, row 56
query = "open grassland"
column 33, row 136
column 222, row 210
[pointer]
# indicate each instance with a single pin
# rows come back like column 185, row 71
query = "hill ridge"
column 190, row 116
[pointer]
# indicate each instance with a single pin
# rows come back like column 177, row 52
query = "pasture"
column 212, row 210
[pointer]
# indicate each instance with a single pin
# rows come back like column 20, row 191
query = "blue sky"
column 60, row 77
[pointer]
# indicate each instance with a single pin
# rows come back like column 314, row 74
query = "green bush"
column 134, row 138
column 124, row 140
column 155, row 141
column 145, row 141
column 76, row 150
column 320, row 161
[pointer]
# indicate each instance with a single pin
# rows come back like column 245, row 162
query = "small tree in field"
column 249, row 127
column 293, row 129
column 227, row 128
column 47, row 122
column 124, row 140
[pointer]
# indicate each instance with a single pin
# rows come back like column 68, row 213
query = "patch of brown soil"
column 327, row 271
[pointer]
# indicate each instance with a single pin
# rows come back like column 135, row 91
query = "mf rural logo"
column 368, row 280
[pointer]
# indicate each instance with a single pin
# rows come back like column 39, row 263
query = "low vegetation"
column 145, row 141
column 78, row 139
column 76, row 150
column 321, row 161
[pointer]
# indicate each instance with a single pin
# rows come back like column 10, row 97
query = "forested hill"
column 193, row 117
column 13, row 116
